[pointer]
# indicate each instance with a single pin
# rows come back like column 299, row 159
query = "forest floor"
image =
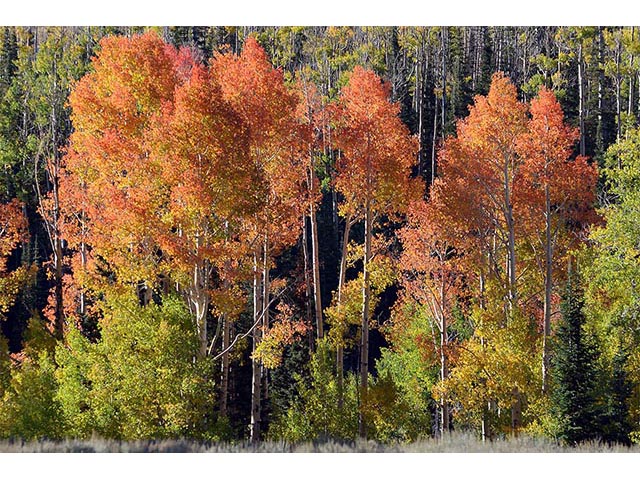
column 455, row 443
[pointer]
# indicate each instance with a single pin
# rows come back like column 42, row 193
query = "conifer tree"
column 574, row 398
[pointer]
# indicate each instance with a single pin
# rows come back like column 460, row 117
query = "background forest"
column 303, row 233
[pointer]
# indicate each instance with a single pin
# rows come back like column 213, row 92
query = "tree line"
column 318, row 232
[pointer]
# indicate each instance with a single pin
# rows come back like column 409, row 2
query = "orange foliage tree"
column 479, row 170
column 509, row 195
column 558, row 193
column 109, row 185
column 433, row 277
column 268, row 107
column 13, row 230
column 373, row 173
column 157, row 175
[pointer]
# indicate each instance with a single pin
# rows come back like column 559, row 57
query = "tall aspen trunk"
column 631, row 77
column 57, row 241
column 83, row 298
column 444, row 408
column 315, row 267
column 511, row 237
column 618, row 95
column 226, row 340
column 341, row 282
column 513, row 294
column 600, row 127
column 364, row 343
column 548, row 285
column 266, row 285
column 433, row 143
column 256, row 367
column 307, row 280
column 57, row 256
column 51, row 219
column 224, row 383
column 485, row 424
column 200, row 302
column 315, row 254
column 444, row 34
column 418, row 100
column 581, row 99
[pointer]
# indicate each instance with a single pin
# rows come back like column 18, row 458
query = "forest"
column 248, row 234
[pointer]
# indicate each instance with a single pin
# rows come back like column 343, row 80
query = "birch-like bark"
column 307, row 280
column 315, row 267
column 444, row 373
column 366, row 294
column 581, row 99
column 341, row 282
column 256, row 377
column 548, row 285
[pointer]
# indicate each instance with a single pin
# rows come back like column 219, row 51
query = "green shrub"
column 141, row 380
column 315, row 414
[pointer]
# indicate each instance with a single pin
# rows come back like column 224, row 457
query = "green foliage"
column 574, row 395
column 410, row 370
column 315, row 414
column 499, row 365
column 5, row 365
column 393, row 407
column 29, row 409
column 140, row 380
column 611, row 272
column 617, row 424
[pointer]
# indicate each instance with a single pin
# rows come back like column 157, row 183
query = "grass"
column 454, row 443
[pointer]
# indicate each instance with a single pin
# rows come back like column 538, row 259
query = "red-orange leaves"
column 377, row 152
column 201, row 152
column 13, row 230
column 547, row 147
column 159, row 178
column 112, row 183
column 257, row 93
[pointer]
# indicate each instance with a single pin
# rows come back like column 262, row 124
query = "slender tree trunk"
column 200, row 301
column 256, row 367
column 513, row 295
column 83, row 261
column 581, row 100
column 631, row 77
column 55, row 176
column 315, row 266
column 307, row 280
column 512, row 237
column 57, row 257
column 341, row 282
column 444, row 33
column 226, row 340
column 444, row 373
column 224, row 383
column 600, row 128
column 366, row 293
column 548, row 286
column 266, row 296
column 433, row 143
column 485, row 424
column 618, row 85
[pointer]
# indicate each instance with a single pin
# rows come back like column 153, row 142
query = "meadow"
column 453, row 443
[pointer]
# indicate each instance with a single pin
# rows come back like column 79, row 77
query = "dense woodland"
column 307, row 233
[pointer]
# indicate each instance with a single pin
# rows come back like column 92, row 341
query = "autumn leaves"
column 508, row 205
column 193, row 179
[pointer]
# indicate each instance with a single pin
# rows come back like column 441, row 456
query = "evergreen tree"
column 617, row 425
column 574, row 398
